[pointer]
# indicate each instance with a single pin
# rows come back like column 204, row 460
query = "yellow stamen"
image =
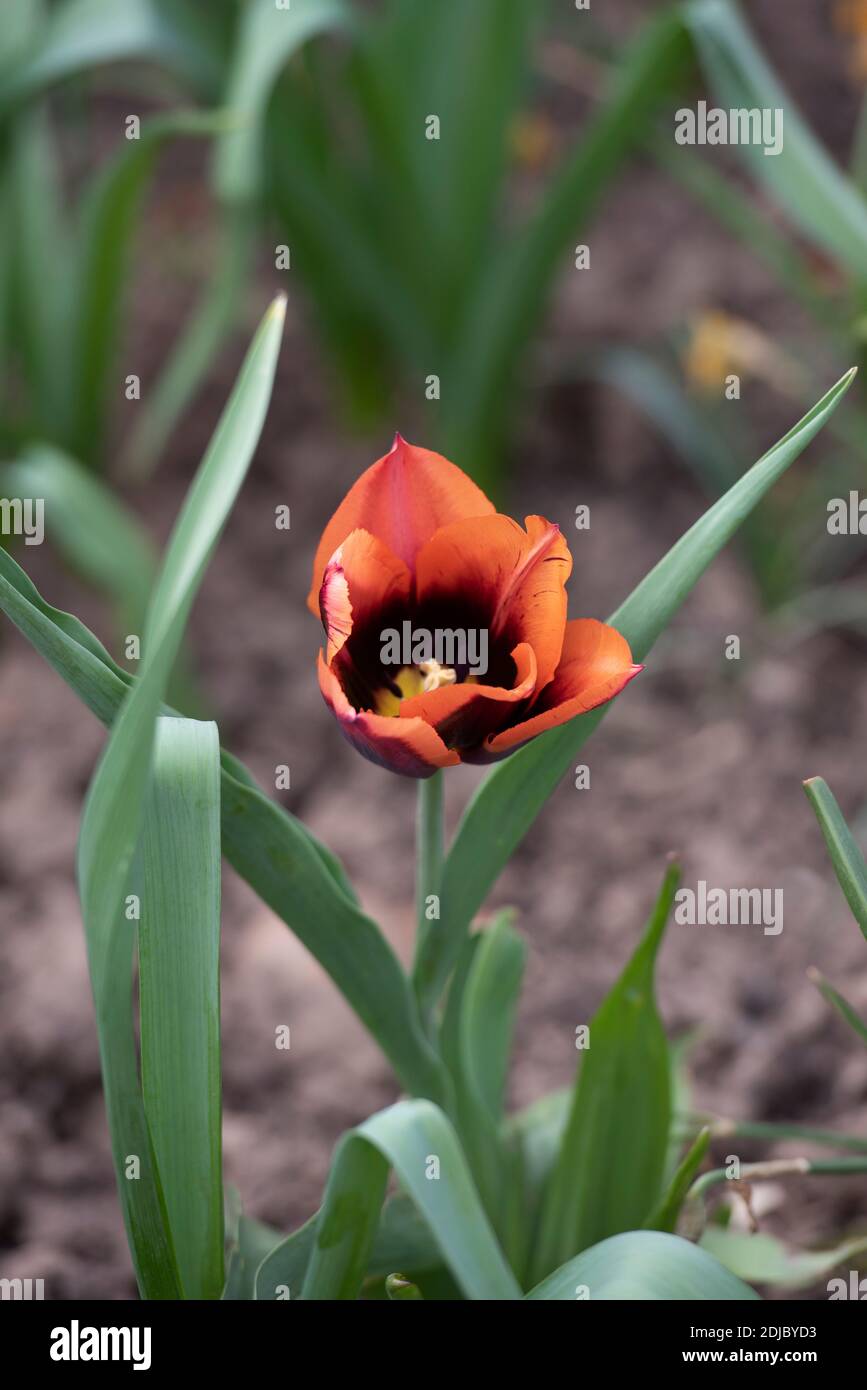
column 436, row 676
column 413, row 680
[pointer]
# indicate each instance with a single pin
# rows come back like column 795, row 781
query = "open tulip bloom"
column 446, row 632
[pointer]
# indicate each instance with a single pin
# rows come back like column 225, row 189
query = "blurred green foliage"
column 396, row 160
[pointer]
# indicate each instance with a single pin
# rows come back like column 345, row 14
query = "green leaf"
column 643, row 1265
column 295, row 875
column 109, row 221
column 540, row 1128
column 112, row 817
column 402, row 1238
column 610, row 1167
column 267, row 39
column 825, row 204
column 192, row 354
column 514, row 792
column 39, row 291
column 399, row 1289
column 96, row 534
column 756, row 226
column 82, row 34
column 511, row 296
column 476, row 1039
column 843, row 1007
column 759, row 1129
column 248, row 1244
column 681, row 1100
column 762, row 1259
column 280, row 860
column 664, row 1216
column 179, row 987
column 694, row 433
column 407, row 1137
column 846, row 857
column 474, row 68
column 488, row 1010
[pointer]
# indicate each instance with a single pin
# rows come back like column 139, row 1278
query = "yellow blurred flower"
column 850, row 19
column 532, row 140
column 721, row 345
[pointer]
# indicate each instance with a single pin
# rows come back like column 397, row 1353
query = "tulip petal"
column 465, row 715
column 595, row 666
column 362, row 580
column 515, row 578
column 402, row 499
column 409, row 747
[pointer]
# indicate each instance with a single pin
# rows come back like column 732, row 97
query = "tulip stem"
column 429, row 856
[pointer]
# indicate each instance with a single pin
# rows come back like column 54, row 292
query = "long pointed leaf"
column 846, row 857
column 611, row 1162
column 113, row 811
column 179, row 986
column 109, row 222
column 268, row 37
column 823, row 201
column 512, row 795
column 94, row 531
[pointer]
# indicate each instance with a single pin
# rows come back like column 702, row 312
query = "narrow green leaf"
column 416, row 1139
column 514, row 792
column 248, row 1243
column 823, row 201
column 846, row 857
column 693, row 432
column 664, row 1216
column 761, row 1129
column 109, row 222
column 762, row 1259
column 837, row 1001
column 488, row 1013
column 646, row 1266
column 652, row 605
column 83, row 34
column 511, row 296
column 476, row 1038
column 113, row 811
column 610, row 1167
column 39, row 290
column 681, row 1101
column 97, row 535
column 267, row 39
column 179, row 988
column 192, row 354
column 475, row 60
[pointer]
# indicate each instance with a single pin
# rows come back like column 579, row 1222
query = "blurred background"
column 165, row 167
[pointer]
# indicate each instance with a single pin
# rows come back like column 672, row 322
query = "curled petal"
column 407, row 746
column 516, row 577
column 465, row 715
column 362, row 578
column 595, row 666
column 402, row 499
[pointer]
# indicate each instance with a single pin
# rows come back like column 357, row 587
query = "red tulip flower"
column 447, row 638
